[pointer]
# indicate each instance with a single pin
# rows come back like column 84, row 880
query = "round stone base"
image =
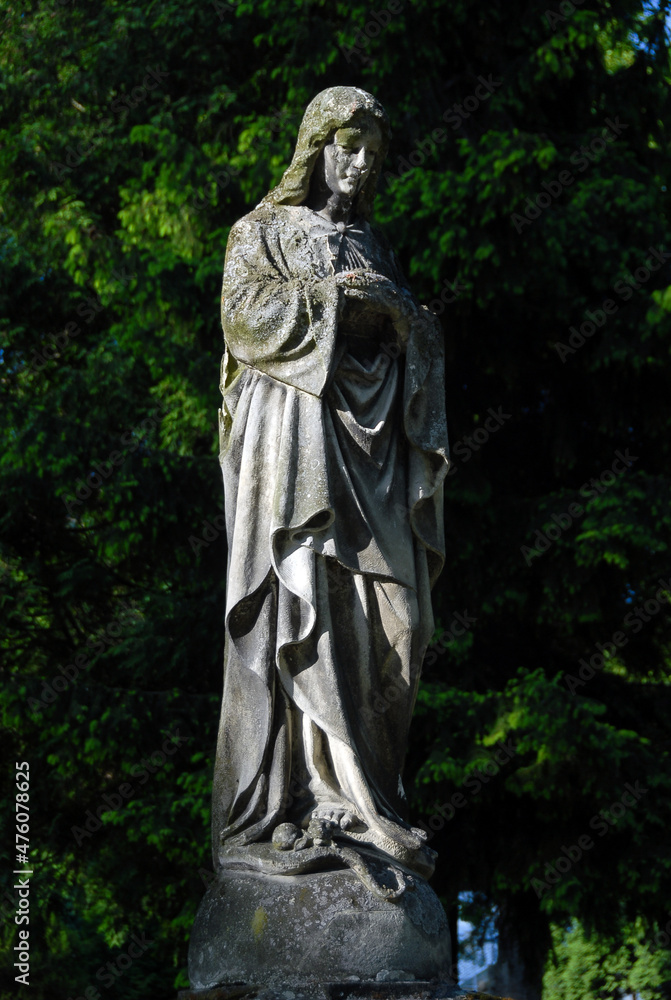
column 319, row 927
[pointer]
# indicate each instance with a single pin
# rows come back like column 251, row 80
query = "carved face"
column 349, row 157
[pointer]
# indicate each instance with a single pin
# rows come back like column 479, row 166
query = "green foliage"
column 131, row 138
column 603, row 969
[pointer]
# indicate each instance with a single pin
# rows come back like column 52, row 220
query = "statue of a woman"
column 333, row 455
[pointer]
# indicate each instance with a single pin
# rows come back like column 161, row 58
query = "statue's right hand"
column 381, row 294
column 351, row 280
column 369, row 286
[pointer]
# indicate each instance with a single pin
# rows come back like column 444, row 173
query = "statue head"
column 341, row 114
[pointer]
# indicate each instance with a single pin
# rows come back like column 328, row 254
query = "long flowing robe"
column 333, row 450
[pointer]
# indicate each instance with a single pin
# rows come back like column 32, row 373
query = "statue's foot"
column 405, row 845
column 336, row 814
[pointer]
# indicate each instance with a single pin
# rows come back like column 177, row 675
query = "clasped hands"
column 380, row 294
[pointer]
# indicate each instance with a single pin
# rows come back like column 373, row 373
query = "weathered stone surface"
column 341, row 991
column 320, row 927
column 334, row 454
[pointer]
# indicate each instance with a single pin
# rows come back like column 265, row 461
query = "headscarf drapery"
column 332, row 109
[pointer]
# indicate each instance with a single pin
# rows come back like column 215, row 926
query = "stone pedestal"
column 319, row 928
column 342, row 991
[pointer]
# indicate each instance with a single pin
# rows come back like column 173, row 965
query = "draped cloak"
column 333, row 451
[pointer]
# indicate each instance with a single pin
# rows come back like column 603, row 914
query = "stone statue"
column 334, row 451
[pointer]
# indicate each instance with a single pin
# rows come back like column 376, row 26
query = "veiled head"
column 332, row 110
